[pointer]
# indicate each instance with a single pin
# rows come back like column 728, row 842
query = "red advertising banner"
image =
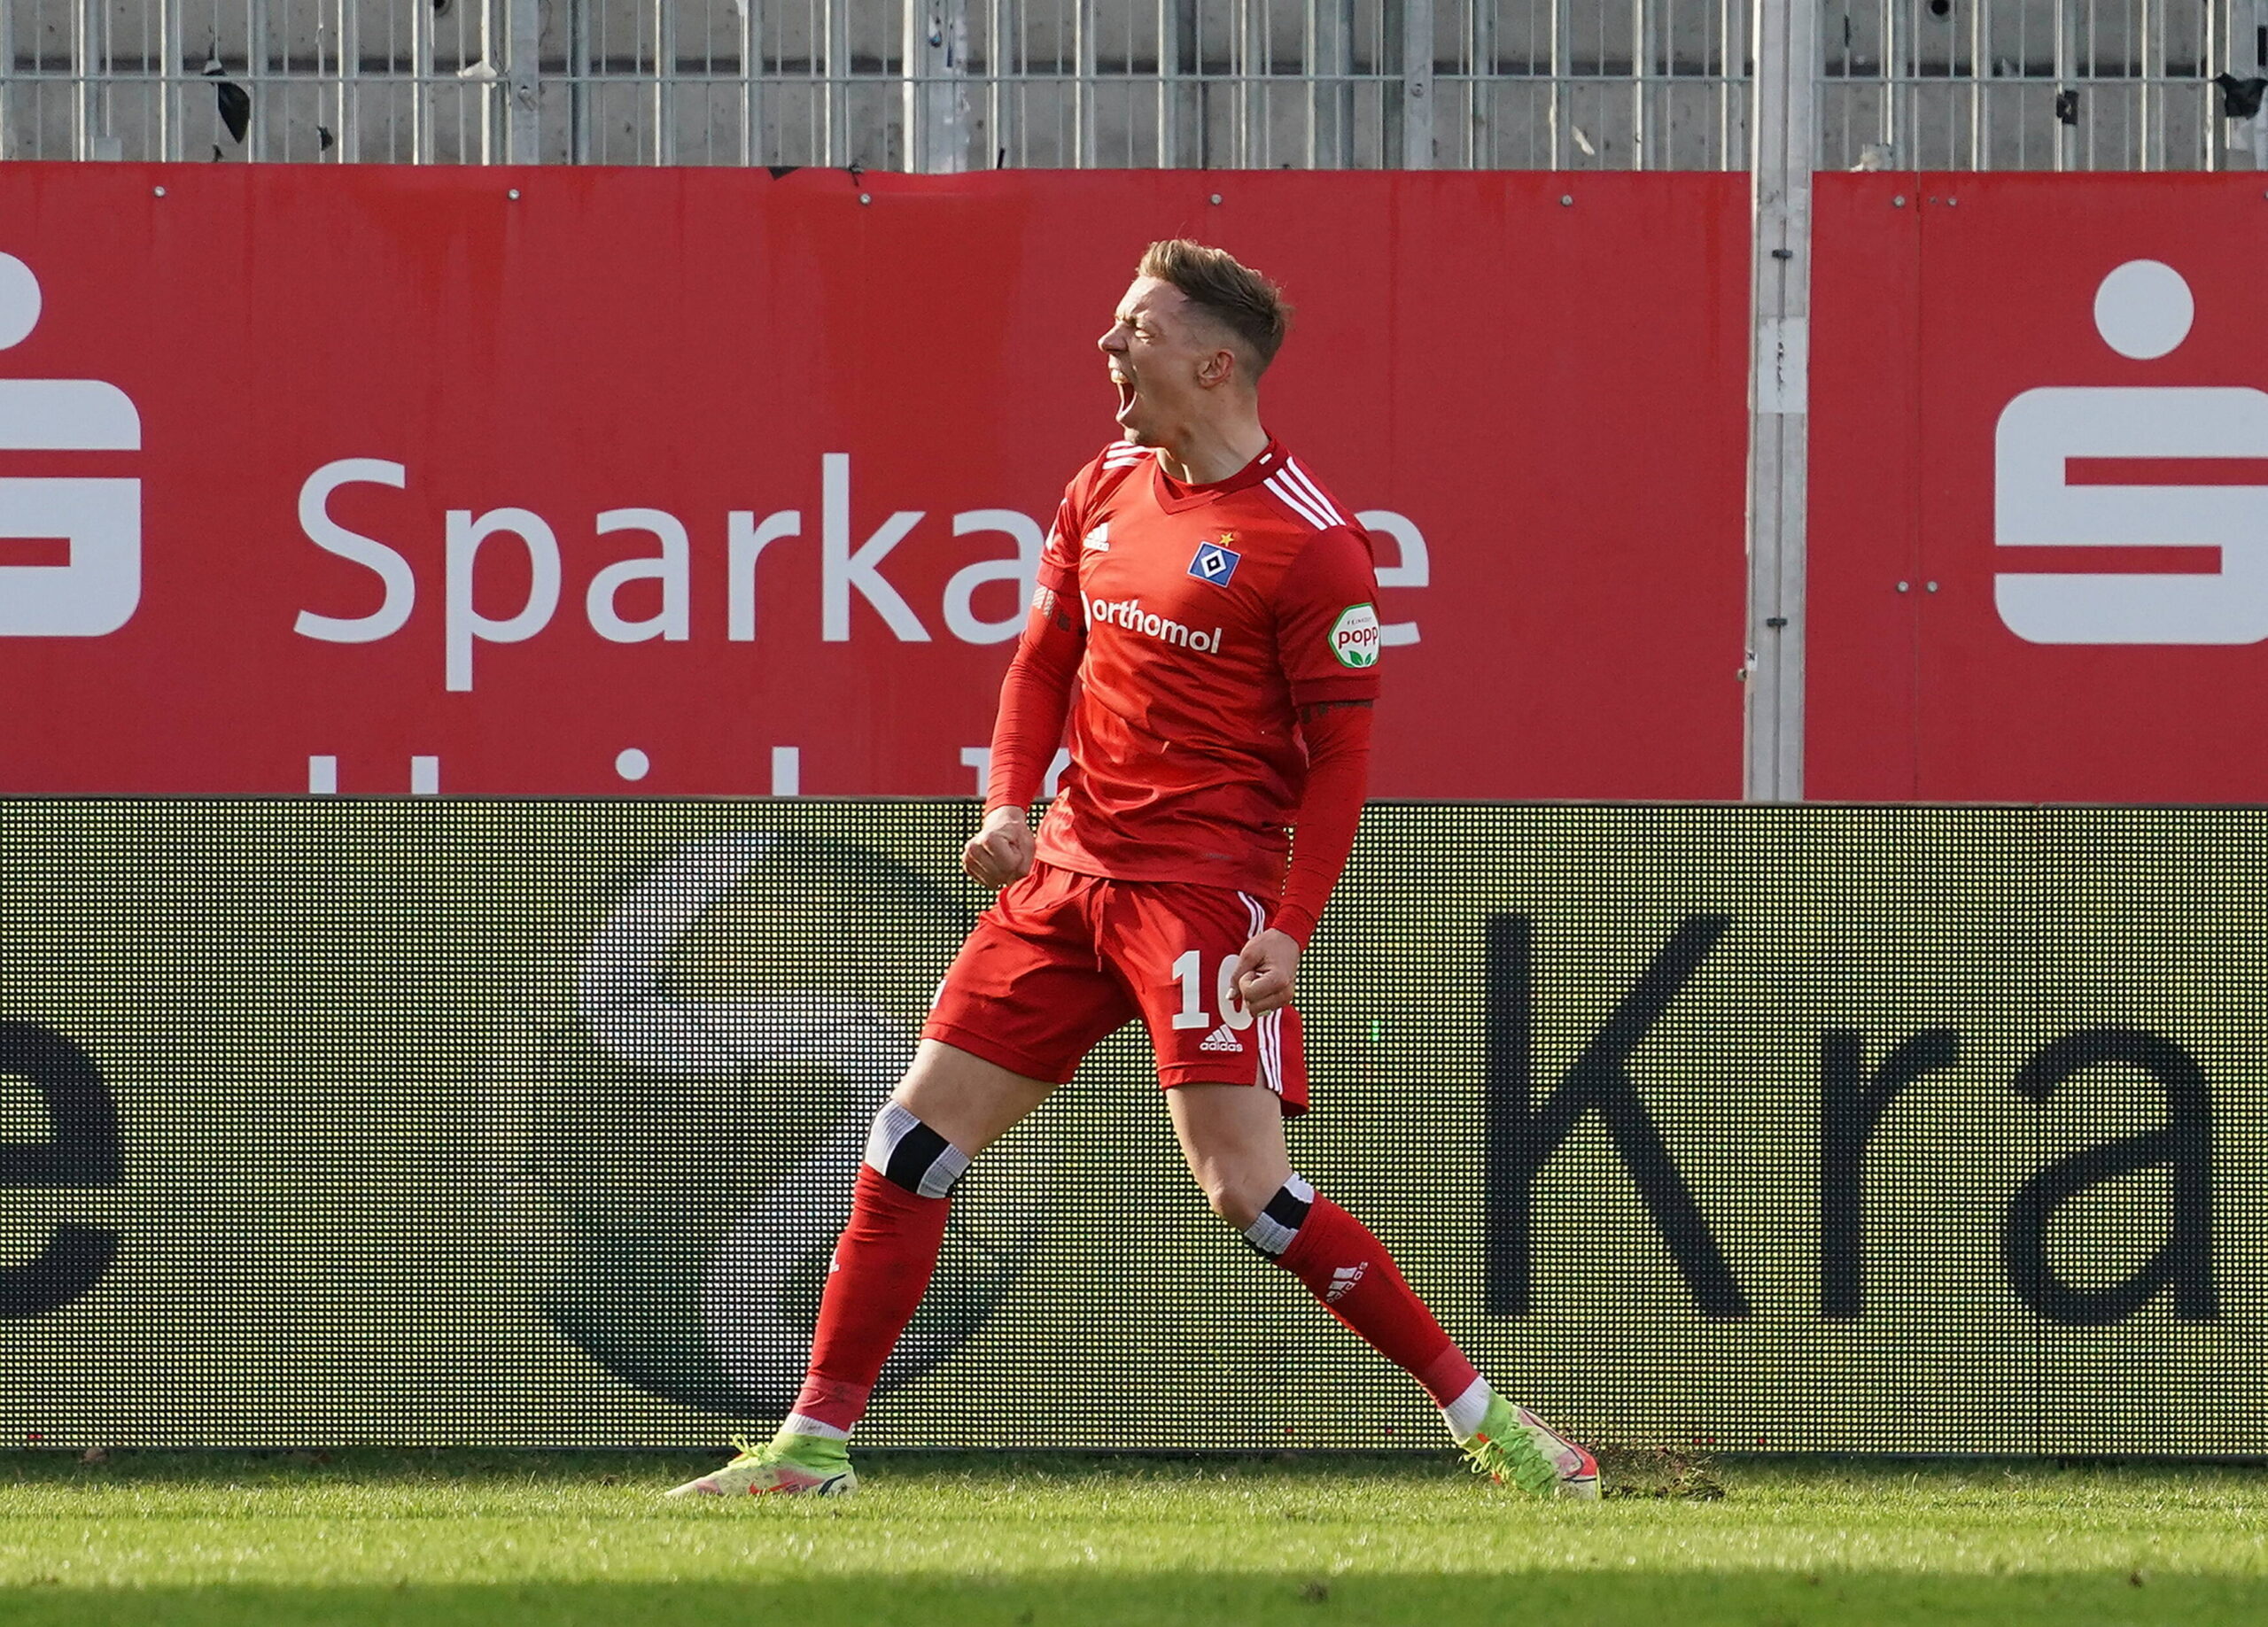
column 2038, row 538
column 584, row 481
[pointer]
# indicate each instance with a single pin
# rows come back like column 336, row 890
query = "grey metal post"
column 663, row 107
column 914, row 64
column 524, row 33
column 1980, row 53
column 1640, row 137
column 838, row 82
column 266, row 95
column 1563, row 104
column 1082, row 84
column 421, row 93
column 86, row 31
column 169, row 72
column 1782, row 142
column 1168, row 71
column 1200, row 98
column 346, row 111
column 160, row 16
column 936, row 68
column 1251, row 86
column 1417, row 84
column 1729, row 57
column 2149, row 23
column 1311, row 60
column 7, row 68
column 2067, row 79
column 1481, row 93
column 578, row 81
column 1342, row 98
column 752, row 15
column 107, row 143
column 489, row 99
column 1259, row 132
column 1899, row 63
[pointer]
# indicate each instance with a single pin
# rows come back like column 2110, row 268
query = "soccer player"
column 1215, row 604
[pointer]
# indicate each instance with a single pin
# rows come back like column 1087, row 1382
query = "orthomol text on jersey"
column 1128, row 614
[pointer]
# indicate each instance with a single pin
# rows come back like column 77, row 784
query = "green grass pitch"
column 942, row 1540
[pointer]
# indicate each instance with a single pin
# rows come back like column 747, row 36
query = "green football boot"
column 1513, row 1446
column 785, row 1466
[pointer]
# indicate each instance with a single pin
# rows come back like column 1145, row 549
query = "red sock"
column 1348, row 1270
column 881, row 1267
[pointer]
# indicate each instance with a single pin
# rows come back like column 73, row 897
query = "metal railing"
column 2042, row 84
column 955, row 84
column 927, row 84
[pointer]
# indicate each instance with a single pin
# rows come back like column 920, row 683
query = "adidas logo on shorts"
column 1344, row 1279
column 1222, row 1038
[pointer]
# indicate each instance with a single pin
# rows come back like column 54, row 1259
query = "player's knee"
column 1234, row 1200
column 1274, row 1221
column 1230, row 1189
column 907, row 1152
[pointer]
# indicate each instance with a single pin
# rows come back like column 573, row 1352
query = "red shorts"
column 1063, row 959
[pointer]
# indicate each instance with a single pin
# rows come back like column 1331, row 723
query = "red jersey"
column 1211, row 612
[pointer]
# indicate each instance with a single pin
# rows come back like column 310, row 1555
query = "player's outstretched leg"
column 881, row 1266
column 1345, row 1266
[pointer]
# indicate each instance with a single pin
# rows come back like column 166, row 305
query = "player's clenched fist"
column 1266, row 971
column 1000, row 852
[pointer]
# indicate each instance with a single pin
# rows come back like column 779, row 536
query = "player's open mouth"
column 1125, row 387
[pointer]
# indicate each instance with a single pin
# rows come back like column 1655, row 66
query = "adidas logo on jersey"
column 1343, row 1280
column 1222, row 1038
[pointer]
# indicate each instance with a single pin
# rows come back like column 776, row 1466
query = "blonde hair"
column 1250, row 305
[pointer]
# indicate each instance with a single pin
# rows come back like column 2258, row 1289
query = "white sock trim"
column 803, row 1424
column 1463, row 1415
column 945, row 1165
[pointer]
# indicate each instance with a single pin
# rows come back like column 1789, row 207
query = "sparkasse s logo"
column 92, row 524
column 1354, row 636
column 2143, row 311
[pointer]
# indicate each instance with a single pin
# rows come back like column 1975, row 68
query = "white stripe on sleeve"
column 1306, row 483
column 1299, row 504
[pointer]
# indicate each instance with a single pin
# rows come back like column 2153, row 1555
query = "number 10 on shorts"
column 1190, row 968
